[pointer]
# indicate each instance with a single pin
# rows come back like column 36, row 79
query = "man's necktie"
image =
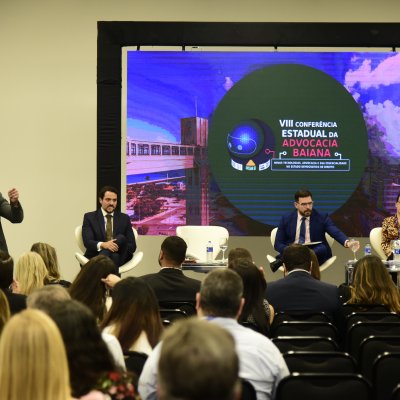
column 109, row 233
column 302, row 236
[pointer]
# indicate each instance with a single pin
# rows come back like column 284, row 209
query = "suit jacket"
column 94, row 231
column 13, row 214
column 170, row 284
column 320, row 223
column 299, row 291
column 16, row 301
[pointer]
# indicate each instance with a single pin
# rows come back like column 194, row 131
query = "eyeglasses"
column 306, row 204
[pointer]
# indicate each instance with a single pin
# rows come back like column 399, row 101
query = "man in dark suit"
column 305, row 225
column 107, row 231
column 10, row 210
column 298, row 290
column 170, row 284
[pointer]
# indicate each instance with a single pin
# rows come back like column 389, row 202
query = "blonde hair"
column 373, row 284
column 4, row 310
column 49, row 255
column 30, row 272
column 33, row 362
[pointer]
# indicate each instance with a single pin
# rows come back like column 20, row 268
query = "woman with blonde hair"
column 33, row 362
column 372, row 284
column 30, row 273
column 49, row 255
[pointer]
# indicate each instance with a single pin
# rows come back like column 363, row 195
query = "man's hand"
column 110, row 245
column 13, row 195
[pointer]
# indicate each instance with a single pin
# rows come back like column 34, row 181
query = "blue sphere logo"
column 246, row 139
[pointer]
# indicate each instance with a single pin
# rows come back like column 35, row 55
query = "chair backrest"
column 319, row 361
column 349, row 308
column 323, row 386
column 308, row 328
column 135, row 361
column 172, row 314
column 197, row 237
column 78, row 238
column 185, row 306
column 248, row 391
column 375, row 238
column 373, row 346
column 361, row 330
column 386, row 375
column 304, row 343
column 396, row 393
column 304, row 316
column 361, row 316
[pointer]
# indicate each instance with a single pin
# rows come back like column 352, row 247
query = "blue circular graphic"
column 245, row 140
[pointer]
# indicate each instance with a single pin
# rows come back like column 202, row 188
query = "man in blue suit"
column 107, row 231
column 305, row 225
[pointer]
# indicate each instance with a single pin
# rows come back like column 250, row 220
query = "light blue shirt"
column 261, row 362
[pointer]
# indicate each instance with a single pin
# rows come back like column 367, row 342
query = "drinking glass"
column 223, row 245
column 354, row 245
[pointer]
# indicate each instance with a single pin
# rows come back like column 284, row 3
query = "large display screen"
column 227, row 138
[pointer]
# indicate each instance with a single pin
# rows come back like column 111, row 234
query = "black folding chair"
column 365, row 316
column 361, row 330
column 134, row 361
column 373, row 346
column 299, row 328
column 248, row 391
column 386, row 375
column 360, row 307
column 305, row 316
column 320, row 361
column 186, row 306
column 304, row 343
column 172, row 314
column 324, row 386
column 396, row 393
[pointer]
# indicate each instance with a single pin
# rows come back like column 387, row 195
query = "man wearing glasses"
column 306, row 225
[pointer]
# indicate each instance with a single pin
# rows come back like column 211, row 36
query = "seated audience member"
column 49, row 255
column 315, row 272
column 91, row 365
column 305, row 224
column 30, row 273
column 221, row 301
column 16, row 301
column 108, row 231
column 4, row 310
column 33, row 362
column 134, row 316
column 50, row 296
column 239, row 252
column 88, row 287
column 298, row 290
column 256, row 309
column 391, row 229
column 204, row 360
column 170, row 284
column 372, row 284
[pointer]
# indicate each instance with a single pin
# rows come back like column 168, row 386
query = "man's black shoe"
column 276, row 264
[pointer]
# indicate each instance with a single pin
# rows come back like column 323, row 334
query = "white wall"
column 48, row 103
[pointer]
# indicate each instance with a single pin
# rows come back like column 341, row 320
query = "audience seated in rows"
column 170, row 284
column 204, row 360
column 30, row 273
column 91, row 365
column 16, row 301
column 372, row 284
column 88, row 287
column 49, row 256
column 256, row 309
column 33, row 362
column 134, row 316
column 47, row 297
column 221, row 301
column 298, row 290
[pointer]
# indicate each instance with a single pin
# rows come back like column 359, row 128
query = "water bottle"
column 367, row 250
column 210, row 252
column 396, row 250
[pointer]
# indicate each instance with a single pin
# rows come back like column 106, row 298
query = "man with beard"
column 170, row 284
column 107, row 231
column 306, row 225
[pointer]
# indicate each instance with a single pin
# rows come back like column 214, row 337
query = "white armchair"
column 197, row 237
column 375, row 238
column 132, row 263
